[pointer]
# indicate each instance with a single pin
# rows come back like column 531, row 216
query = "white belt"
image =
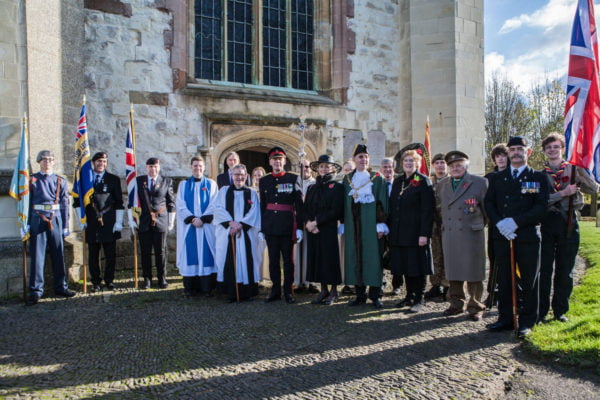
column 46, row 207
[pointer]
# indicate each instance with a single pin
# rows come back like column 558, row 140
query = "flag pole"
column 513, row 281
column 135, row 246
column 25, row 241
column 85, row 252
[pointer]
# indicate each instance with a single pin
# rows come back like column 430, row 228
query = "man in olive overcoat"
column 461, row 198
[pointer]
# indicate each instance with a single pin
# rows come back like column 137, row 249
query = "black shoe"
column 406, row 302
column 110, row 286
column 445, row 293
column 147, row 284
column 434, row 293
column 313, row 289
column 499, row 326
column 290, row 299
column 522, row 332
column 562, row 318
column 347, row 290
column 272, row 298
column 32, row 300
column 357, row 301
column 320, row 298
column 163, row 284
column 331, row 299
column 66, row 293
column 96, row 288
column 377, row 303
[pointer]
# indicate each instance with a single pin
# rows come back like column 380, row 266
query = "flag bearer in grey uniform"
column 559, row 248
column 104, row 217
column 48, row 225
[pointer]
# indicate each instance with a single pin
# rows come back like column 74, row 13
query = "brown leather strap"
column 154, row 214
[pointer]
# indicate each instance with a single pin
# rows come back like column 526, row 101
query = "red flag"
column 582, row 108
column 424, row 169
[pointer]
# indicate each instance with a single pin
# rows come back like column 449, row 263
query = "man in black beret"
column 104, row 217
column 156, row 220
column 281, row 216
column 515, row 203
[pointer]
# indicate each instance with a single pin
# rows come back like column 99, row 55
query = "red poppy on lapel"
column 331, row 186
column 464, row 185
column 250, row 201
column 416, row 181
column 204, row 188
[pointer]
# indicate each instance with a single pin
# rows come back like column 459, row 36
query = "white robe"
column 207, row 230
column 251, row 218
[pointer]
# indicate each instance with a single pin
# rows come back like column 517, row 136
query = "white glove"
column 506, row 226
column 119, row 221
column 78, row 215
column 171, row 221
column 132, row 224
column 298, row 235
column 341, row 229
column 66, row 233
column 383, row 228
column 510, row 236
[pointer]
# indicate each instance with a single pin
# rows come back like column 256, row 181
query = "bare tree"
column 506, row 112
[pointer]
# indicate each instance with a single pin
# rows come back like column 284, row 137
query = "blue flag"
column 19, row 186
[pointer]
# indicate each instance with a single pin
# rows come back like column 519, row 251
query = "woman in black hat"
column 324, row 207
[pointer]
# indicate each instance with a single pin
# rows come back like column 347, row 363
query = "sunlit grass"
column 577, row 342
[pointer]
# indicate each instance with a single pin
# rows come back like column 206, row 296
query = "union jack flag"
column 582, row 108
column 83, row 177
column 130, row 172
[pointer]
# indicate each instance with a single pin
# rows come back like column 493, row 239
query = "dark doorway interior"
column 257, row 157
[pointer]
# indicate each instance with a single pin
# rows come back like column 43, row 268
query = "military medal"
column 470, row 205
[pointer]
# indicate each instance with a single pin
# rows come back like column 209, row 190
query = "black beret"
column 517, row 141
column 438, row 156
column 455, row 155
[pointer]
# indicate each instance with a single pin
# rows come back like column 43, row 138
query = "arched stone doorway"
column 253, row 143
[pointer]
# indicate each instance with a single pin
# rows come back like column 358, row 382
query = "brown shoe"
column 452, row 311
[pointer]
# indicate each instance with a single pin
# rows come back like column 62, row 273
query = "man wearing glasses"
column 48, row 226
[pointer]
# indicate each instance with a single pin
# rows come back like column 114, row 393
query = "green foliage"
column 577, row 342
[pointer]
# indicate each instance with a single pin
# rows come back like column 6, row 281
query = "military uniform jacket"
column 161, row 198
column 463, row 220
column 43, row 191
column 524, row 199
column 107, row 198
column 280, row 191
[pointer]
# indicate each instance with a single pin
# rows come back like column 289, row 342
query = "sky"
column 528, row 40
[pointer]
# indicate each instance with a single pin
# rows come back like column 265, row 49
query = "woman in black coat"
column 412, row 206
column 324, row 207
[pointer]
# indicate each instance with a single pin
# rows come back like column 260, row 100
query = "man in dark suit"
column 157, row 218
column 232, row 159
column 104, row 222
column 515, row 203
column 281, row 209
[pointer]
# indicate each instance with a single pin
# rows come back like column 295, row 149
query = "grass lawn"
column 576, row 342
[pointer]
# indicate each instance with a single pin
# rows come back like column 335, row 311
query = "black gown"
column 324, row 203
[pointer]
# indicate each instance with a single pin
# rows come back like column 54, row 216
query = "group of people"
column 344, row 224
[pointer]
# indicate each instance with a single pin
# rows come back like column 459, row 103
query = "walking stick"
column 135, row 262
column 493, row 285
column 85, row 256
column 237, row 291
column 24, row 272
column 513, row 279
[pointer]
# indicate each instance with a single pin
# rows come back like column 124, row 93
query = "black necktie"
column 515, row 173
column 152, row 184
column 97, row 180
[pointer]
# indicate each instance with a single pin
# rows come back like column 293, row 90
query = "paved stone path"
column 155, row 344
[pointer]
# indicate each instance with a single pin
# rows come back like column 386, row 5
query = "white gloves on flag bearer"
column 132, row 225
column 298, row 235
column 507, row 228
column 118, row 227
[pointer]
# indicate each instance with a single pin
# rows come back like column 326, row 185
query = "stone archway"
column 258, row 139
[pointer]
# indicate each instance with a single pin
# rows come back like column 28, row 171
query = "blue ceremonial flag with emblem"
column 83, row 177
column 19, row 186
